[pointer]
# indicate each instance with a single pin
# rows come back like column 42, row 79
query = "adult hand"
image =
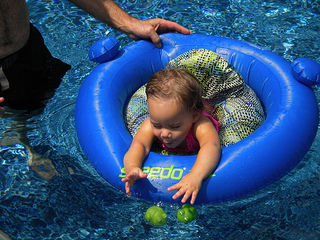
column 150, row 28
column 109, row 12
column 2, row 110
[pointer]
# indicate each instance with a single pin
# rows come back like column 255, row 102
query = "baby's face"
column 170, row 122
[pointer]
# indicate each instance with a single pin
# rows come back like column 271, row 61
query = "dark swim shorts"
column 32, row 74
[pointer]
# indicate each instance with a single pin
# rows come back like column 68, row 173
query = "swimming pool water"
column 79, row 204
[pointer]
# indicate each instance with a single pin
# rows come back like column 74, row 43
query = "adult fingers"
column 153, row 35
column 166, row 26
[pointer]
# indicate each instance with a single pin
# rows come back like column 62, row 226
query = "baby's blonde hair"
column 177, row 84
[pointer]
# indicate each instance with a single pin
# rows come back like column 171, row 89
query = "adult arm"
column 110, row 13
column 2, row 110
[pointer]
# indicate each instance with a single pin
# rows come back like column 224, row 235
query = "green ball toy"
column 156, row 216
column 187, row 213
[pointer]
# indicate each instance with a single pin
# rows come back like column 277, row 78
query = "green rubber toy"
column 187, row 213
column 156, row 216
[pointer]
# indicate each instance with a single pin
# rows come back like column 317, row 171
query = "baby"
column 178, row 123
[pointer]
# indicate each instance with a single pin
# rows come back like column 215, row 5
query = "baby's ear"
column 196, row 115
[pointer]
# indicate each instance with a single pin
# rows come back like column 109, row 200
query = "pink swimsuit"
column 192, row 142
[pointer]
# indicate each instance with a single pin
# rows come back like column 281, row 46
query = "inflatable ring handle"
column 104, row 50
column 306, row 71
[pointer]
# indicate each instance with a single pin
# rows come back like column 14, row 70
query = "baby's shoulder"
column 203, row 122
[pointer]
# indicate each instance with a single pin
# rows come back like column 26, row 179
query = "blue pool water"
column 78, row 204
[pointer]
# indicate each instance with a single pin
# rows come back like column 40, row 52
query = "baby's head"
column 178, row 85
column 174, row 105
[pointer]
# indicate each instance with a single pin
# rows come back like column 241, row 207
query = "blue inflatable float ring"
column 264, row 157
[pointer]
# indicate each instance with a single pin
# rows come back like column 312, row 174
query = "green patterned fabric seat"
column 234, row 104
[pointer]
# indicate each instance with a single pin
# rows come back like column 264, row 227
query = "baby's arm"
column 206, row 162
column 139, row 149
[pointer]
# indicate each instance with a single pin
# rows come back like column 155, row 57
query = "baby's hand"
column 189, row 185
column 131, row 177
